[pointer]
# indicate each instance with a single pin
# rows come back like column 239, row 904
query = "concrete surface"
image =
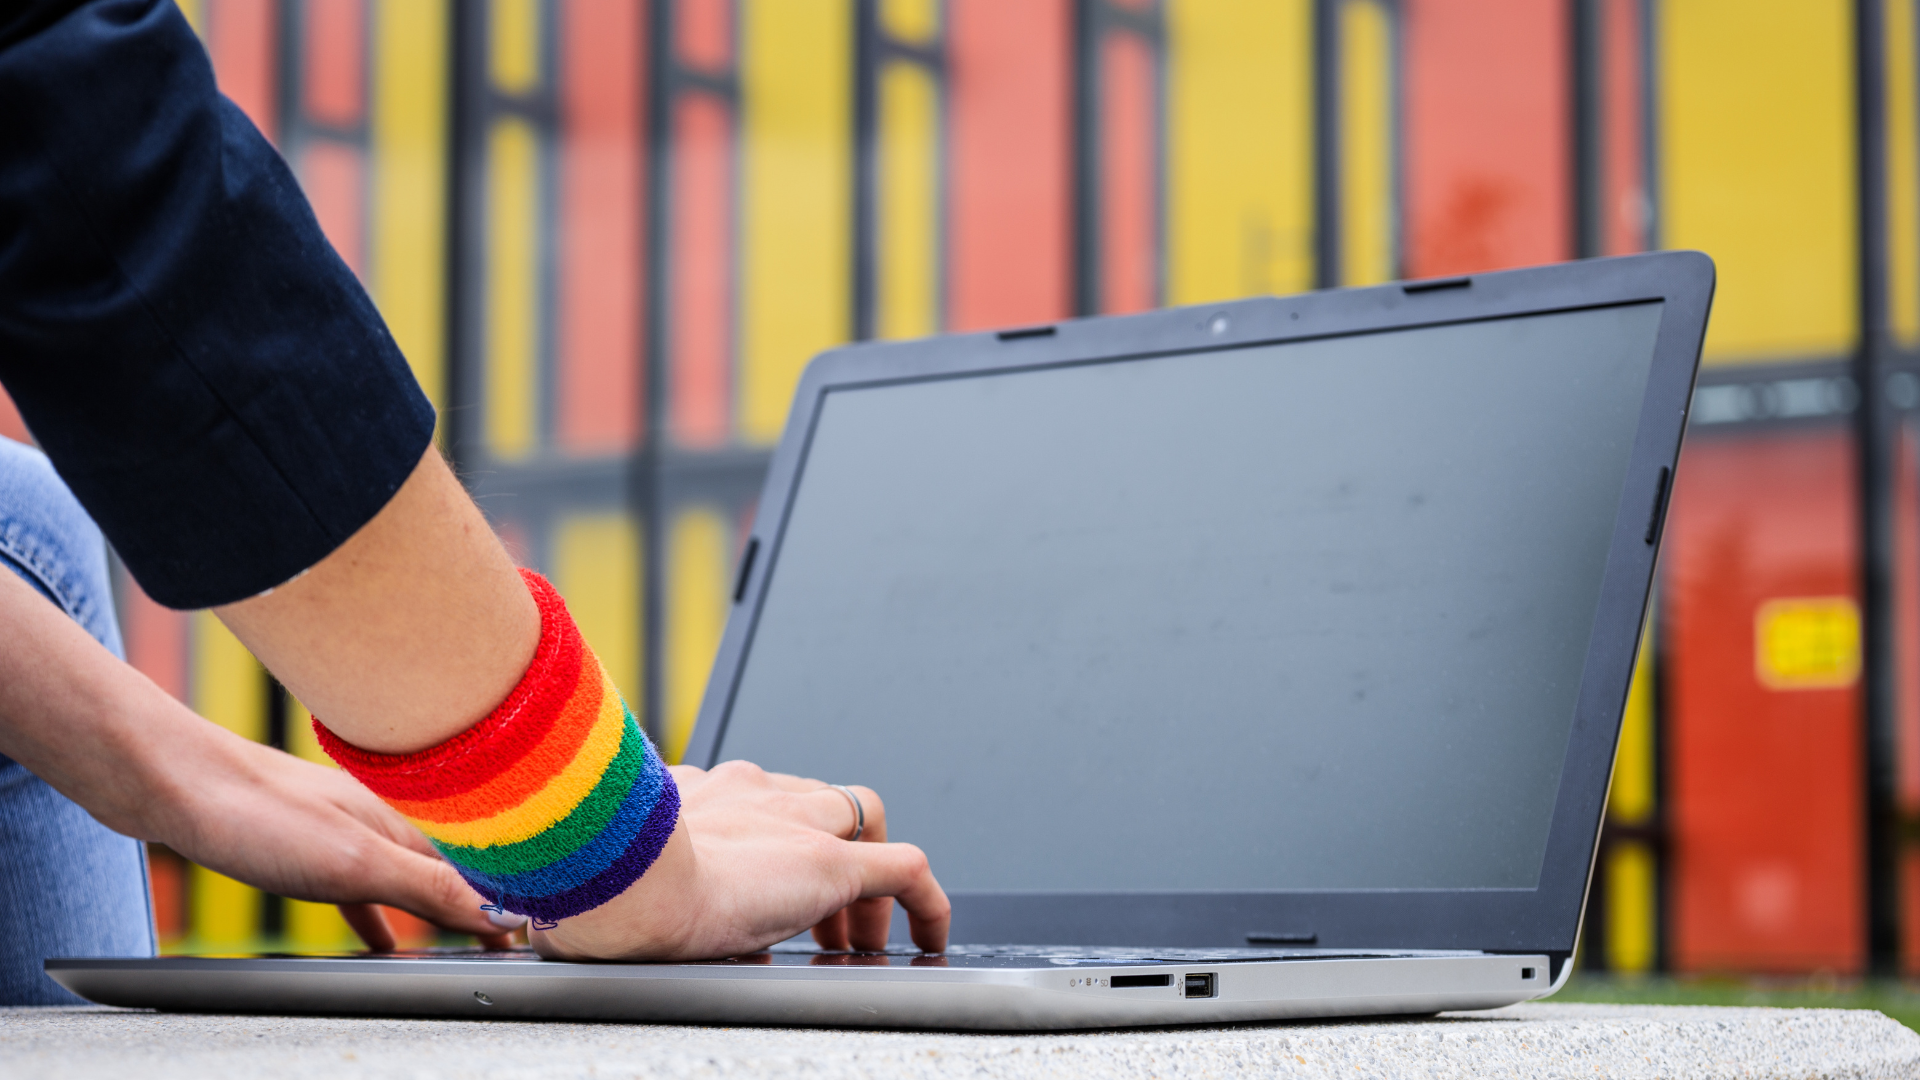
column 1543, row 1040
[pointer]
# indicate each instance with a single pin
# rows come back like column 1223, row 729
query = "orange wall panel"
column 1765, row 782
column 1487, row 129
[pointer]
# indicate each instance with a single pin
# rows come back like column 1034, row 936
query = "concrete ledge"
column 1542, row 1040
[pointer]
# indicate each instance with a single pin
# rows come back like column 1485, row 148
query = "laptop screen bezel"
column 1545, row 918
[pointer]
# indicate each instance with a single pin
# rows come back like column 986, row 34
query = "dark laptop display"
column 1307, row 615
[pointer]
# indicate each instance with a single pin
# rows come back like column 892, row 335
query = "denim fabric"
column 208, row 377
column 68, row 885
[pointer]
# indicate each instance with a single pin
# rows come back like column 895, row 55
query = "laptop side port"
column 1200, row 985
column 1121, row 982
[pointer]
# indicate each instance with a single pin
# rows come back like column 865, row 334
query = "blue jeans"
column 69, row 886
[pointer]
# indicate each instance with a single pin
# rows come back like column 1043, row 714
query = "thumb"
column 430, row 888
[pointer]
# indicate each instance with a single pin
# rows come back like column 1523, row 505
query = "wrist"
column 654, row 919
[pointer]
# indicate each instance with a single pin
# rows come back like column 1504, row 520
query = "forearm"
column 94, row 728
column 409, row 632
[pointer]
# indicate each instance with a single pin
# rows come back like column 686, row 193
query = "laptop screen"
column 1298, row 616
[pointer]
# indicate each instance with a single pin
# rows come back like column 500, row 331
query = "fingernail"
column 506, row 920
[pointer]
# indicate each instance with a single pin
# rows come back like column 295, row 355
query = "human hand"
column 307, row 832
column 758, row 857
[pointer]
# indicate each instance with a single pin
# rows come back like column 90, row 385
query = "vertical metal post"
column 1087, row 28
column 460, row 425
column 866, row 180
column 1873, row 430
column 1586, row 97
column 644, row 475
column 1327, row 271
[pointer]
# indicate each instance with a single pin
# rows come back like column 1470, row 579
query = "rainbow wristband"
column 552, row 805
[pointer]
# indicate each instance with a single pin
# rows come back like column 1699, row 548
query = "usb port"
column 1200, row 985
column 1121, row 982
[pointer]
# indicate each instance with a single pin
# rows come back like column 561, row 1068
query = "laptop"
column 1249, row 661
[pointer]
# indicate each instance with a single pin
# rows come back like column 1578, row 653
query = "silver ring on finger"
column 859, row 812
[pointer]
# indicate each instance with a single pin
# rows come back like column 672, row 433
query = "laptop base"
column 1005, row 988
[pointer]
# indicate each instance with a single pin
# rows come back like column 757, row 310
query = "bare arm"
column 145, row 765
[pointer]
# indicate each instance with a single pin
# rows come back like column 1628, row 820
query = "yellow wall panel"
column 1240, row 148
column 317, row 927
column 796, row 124
column 1367, row 212
column 697, row 603
column 301, row 741
column 512, row 289
column 1756, row 167
column 513, row 38
column 221, row 911
column 1903, row 174
column 409, row 138
column 1631, row 797
column 596, row 561
column 911, row 20
column 228, row 685
column 196, row 13
column 909, row 210
column 1632, row 913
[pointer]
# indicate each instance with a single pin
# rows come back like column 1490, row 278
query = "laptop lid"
column 1300, row 620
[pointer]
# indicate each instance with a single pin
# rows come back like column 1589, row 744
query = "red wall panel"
column 1765, row 787
column 336, row 59
column 1487, row 126
column 601, row 187
column 700, row 327
column 1009, row 178
column 1129, row 176
column 241, row 41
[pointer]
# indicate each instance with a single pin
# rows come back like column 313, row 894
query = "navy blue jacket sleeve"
column 206, row 374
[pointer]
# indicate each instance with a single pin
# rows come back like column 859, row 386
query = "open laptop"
column 1256, row 660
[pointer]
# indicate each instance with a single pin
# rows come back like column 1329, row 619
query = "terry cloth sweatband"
column 552, row 805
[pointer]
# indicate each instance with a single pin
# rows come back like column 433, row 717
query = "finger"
column 829, row 810
column 900, row 871
column 368, row 921
column 831, row 932
column 875, row 810
column 870, row 923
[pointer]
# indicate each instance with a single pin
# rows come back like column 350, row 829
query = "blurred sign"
column 1807, row 643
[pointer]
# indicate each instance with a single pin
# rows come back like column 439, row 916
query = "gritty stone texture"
column 1522, row 1041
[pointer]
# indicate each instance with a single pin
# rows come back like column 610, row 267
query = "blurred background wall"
column 610, row 233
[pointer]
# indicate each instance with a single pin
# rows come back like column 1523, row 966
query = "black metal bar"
column 1327, row 231
column 1088, row 25
column 1586, row 97
column 459, row 429
column 866, row 122
column 1874, row 435
column 643, row 475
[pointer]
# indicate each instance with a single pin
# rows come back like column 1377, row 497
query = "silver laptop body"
column 1264, row 659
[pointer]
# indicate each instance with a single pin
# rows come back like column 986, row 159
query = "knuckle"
column 739, row 772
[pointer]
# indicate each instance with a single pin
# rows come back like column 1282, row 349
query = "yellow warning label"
column 1807, row 642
